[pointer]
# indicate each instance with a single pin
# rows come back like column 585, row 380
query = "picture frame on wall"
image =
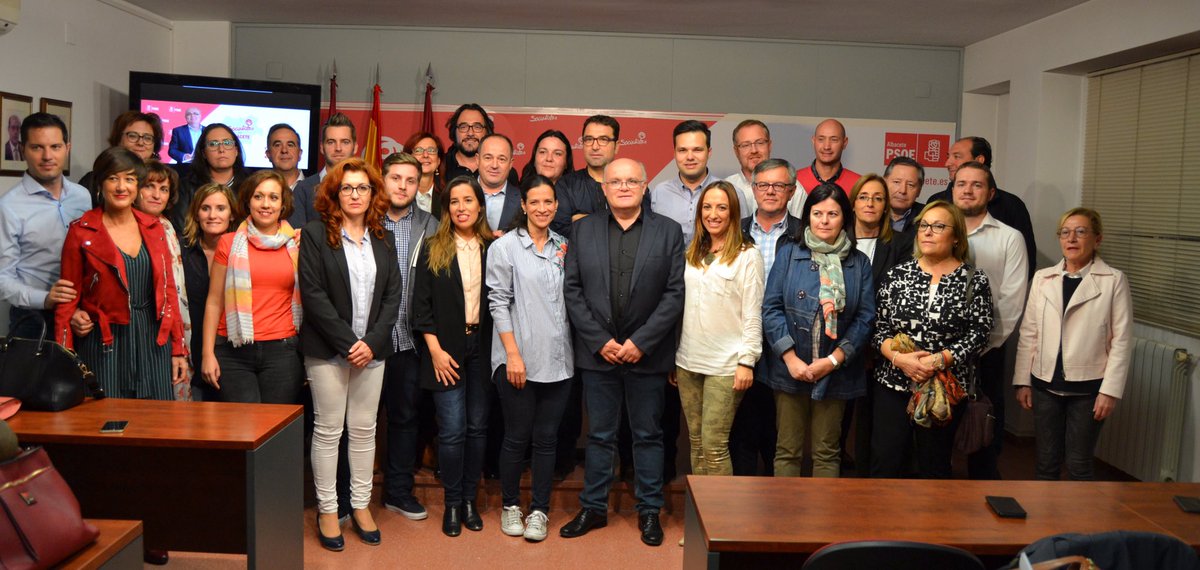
column 13, row 109
column 62, row 109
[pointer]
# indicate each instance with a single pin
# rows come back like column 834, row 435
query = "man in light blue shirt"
column 679, row 197
column 34, row 216
column 500, row 199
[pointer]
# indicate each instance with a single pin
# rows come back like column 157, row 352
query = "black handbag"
column 44, row 375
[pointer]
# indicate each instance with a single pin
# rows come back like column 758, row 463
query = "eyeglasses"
column 778, row 187
column 476, row 127
column 138, row 137
column 937, row 228
column 620, row 184
column 214, row 144
column 602, row 141
column 364, row 189
column 869, row 198
column 1080, row 232
column 424, row 150
column 749, row 144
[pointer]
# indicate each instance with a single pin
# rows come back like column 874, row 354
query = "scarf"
column 833, row 287
column 239, row 318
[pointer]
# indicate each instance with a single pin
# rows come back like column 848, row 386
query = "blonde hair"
column 1092, row 216
column 191, row 228
column 441, row 244
column 885, row 222
column 735, row 242
column 962, row 248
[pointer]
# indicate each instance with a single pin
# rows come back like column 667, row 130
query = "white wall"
column 202, row 48
column 1026, row 91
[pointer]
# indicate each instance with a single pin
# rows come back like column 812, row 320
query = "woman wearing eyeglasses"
column 351, row 288
column 1074, row 350
column 944, row 305
column 427, row 149
column 139, row 132
column 219, row 159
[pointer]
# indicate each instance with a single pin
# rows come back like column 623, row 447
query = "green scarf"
column 833, row 286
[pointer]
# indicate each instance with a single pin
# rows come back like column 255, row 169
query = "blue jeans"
column 462, row 416
column 532, row 413
column 401, row 397
column 643, row 395
column 265, row 372
column 1065, row 426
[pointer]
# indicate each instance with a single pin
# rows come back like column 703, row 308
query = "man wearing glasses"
column 185, row 136
column 468, row 126
column 751, row 145
column 338, row 142
column 284, row 152
column 753, row 434
column 580, row 193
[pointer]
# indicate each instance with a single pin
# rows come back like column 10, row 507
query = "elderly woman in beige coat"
column 1074, row 351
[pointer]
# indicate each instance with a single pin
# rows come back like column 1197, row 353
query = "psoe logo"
column 520, row 150
column 542, row 118
column 389, row 146
column 641, row 139
column 927, row 149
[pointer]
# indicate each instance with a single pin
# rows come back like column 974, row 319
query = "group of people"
column 767, row 309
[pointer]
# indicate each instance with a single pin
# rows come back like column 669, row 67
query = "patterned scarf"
column 239, row 320
column 833, row 287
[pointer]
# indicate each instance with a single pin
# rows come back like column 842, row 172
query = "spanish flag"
column 373, row 150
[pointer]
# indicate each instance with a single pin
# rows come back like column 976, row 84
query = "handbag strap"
column 13, row 326
column 973, row 382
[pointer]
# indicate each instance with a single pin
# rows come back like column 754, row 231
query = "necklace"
column 710, row 258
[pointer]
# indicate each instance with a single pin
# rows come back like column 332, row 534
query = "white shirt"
column 999, row 251
column 722, row 316
column 739, row 181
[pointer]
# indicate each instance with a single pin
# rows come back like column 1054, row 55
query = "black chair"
column 893, row 555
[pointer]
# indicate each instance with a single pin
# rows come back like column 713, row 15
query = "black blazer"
column 438, row 309
column 790, row 228
column 195, row 280
column 512, row 205
column 655, row 307
column 890, row 254
column 325, row 295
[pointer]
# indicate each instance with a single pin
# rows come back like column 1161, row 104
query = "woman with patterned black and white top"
column 944, row 305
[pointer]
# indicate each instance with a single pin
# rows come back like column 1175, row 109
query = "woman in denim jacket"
column 818, row 312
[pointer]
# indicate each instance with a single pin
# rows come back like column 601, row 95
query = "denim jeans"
column 1065, row 425
column 264, row 372
column 532, row 413
column 643, row 395
column 795, row 416
column 401, row 397
column 709, row 404
column 462, row 415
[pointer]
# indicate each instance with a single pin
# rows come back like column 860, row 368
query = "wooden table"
column 203, row 476
column 119, row 547
column 739, row 521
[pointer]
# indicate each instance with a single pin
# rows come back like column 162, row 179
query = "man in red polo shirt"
column 829, row 140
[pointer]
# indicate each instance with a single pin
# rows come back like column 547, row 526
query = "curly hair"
column 330, row 207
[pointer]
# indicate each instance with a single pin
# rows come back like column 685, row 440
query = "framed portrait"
column 63, row 110
column 13, row 109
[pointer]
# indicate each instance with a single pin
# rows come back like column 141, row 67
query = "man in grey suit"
column 338, row 142
column 624, row 292
column 410, row 228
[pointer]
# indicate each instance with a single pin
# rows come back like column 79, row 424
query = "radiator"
column 1143, row 435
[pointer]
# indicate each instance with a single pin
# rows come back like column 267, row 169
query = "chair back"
column 893, row 555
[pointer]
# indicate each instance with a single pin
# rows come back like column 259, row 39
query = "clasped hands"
column 617, row 353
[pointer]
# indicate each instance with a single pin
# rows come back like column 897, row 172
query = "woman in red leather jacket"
column 125, row 321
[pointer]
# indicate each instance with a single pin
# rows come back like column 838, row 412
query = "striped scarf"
column 829, row 257
column 239, row 319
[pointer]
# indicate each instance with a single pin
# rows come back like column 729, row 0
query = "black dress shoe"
column 334, row 543
column 652, row 532
column 452, row 521
column 155, row 557
column 470, row 516
column 583, row 522
column 370, row 537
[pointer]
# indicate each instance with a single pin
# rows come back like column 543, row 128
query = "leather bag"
column 44, row 375
column 978, row 425
column 40, row 521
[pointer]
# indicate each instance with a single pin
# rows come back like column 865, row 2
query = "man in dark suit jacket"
column 905, row 178
column 338, row 142
column 182, row 146
column 624, row 292
column 502, row 198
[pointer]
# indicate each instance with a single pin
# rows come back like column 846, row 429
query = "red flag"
column 427, row 113
column 333, row 90
column 373, row 151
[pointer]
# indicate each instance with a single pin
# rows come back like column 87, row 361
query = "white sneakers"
column 535, row 526
column 510, row 521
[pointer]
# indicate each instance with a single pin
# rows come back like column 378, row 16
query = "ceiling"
column 954, row 23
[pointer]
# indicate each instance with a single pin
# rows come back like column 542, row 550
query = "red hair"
column 330, row 208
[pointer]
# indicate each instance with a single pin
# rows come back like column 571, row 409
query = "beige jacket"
column 1097, row 336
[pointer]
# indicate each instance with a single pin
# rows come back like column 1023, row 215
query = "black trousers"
column 752, row 437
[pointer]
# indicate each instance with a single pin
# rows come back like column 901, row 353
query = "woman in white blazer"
column 1074, row 351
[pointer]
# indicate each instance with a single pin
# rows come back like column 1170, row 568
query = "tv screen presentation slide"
column 249, row 123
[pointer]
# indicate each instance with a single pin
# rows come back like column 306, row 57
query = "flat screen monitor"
column 249, row 108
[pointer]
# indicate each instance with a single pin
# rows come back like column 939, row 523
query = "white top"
column 739, row 181
column 867, row 246
column 999, row 251
column 722, row 316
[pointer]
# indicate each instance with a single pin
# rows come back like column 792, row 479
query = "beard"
column 973, row 211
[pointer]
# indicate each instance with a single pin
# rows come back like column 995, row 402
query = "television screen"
column 188, row 103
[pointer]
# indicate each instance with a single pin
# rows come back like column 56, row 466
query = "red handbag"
column 40, row 524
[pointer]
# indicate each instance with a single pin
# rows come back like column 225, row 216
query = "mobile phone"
column 1188, row 504
column 114, row 426
column 1006, row 507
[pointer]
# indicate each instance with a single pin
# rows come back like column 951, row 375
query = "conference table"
column 734, row 522
column 202, row 476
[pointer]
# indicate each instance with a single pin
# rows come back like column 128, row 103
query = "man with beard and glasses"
column 468, row 126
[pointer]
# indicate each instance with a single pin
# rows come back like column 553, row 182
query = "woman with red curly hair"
column 350, row 287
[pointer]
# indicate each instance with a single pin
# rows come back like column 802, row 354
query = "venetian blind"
column 1141, row 171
